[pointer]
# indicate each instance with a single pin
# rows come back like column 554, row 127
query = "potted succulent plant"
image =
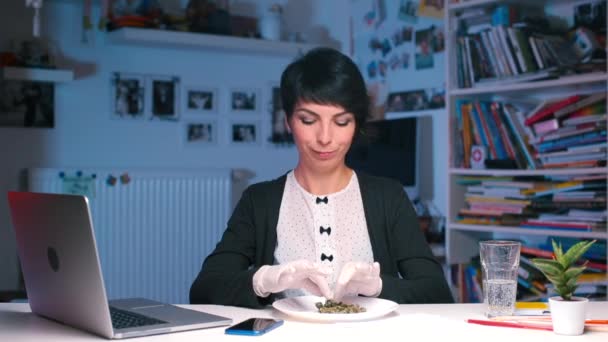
column 567, row 311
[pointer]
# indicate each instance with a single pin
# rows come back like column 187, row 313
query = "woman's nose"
column 324, row 135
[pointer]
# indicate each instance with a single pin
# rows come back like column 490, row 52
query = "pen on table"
column 540, row 319
column 510, row 324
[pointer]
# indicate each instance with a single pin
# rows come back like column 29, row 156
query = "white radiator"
column 153, row 228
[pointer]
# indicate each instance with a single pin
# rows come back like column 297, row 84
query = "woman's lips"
column 325, row 155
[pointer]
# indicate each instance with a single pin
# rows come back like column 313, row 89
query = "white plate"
column 304, row 307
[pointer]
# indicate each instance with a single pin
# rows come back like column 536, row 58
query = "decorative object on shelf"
column 35, row 53
column 478, row 157
column 36, row 5
column 568, row 312
column 133, row 13
column 206, row 16
column 270, row 23
column 27, row 104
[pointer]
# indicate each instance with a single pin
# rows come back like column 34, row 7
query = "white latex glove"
column 299, row 274
column 358, row 278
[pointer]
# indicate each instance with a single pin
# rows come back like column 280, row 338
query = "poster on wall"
column 398, row 46
column 27, row 104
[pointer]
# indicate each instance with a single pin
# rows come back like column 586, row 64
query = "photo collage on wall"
column 397, row 40
column 204, row 111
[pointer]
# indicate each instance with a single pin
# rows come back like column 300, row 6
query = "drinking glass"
column 499, row 265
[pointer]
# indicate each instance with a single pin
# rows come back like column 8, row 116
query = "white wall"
column 85, row 136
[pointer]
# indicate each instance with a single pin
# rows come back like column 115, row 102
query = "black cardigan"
column 250, row 239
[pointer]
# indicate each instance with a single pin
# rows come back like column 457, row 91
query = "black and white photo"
column 200, row 100
column 245, row 133
column 164, row 97
column 244, row 100
column 128, row 95
column 27, row 104
column 200, row 133
column 280, row 134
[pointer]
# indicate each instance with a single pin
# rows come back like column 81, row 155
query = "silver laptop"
column 63, row 279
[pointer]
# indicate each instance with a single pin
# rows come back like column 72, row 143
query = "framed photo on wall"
column 244, row 100
column 200, row 133
column 27, row 104
column 164, row 97
column 200, row 100
column 128, row 94
column 245, row 132
column 279, row 133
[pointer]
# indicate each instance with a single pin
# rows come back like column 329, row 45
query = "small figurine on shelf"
column 134, row 13
column 207, row 17
column 270, row 23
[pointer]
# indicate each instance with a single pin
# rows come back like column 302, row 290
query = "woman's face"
column 323, row 135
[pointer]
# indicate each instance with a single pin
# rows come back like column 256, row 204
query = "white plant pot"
column 568, row 316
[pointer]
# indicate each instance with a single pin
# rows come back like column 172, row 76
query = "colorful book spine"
column 548, row 111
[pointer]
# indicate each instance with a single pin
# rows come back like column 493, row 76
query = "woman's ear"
column 287, row 125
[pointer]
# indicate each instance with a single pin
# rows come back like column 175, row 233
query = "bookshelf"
column 201, row 41
column 493, row 94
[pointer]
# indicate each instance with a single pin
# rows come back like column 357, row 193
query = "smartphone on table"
column 254, row 326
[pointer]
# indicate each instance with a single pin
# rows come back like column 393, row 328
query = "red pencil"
column 510, row 324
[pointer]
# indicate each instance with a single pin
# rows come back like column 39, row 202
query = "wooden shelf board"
column 517, row 87
column 190, row 40
column 539, row 172
column 36, row 74
column 526, row 231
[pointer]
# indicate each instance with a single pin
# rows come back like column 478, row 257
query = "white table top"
column 430, row 322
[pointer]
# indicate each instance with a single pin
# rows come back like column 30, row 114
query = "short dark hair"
column 328, row 77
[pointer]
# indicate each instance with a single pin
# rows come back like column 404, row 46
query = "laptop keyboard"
column 122, row 319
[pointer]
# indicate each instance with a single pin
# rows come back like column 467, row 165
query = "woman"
column 322, row 228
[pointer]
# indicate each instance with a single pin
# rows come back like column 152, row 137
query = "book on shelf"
column 525, row 145
column 594, row 118
column 545, row 202
column 548, row 107
column 523, row 46
column 584, row 102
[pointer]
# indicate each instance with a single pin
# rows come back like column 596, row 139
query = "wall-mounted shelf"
column 189, row 40
column 36, row 74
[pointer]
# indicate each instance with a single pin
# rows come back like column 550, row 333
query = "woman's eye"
column 307, row 121
column 343, row 123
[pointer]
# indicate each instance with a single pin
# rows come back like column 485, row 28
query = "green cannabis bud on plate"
column 331, row 306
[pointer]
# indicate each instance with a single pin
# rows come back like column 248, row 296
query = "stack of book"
column 517, row 44
column 566, row 132
column 570, row 131
column 575, row 203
